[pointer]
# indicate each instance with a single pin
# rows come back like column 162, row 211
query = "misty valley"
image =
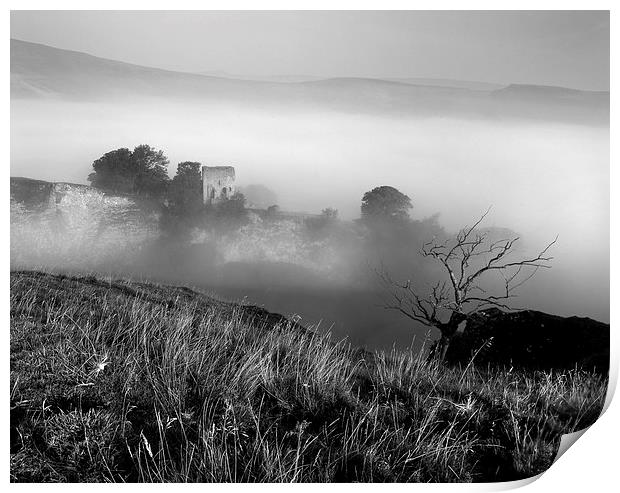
column 218, row 279
column 314, row 267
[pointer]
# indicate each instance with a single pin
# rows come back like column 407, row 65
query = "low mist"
column 542, row 179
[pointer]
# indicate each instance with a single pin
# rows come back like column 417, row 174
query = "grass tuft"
column 123, row 382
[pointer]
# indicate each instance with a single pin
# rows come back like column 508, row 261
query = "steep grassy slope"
column 123, row 381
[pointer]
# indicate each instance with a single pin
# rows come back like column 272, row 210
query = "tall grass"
column 121, row 381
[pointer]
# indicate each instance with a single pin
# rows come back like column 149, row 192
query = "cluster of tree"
column 143, row 172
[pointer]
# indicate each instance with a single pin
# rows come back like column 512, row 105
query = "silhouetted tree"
column 466, row 260
column 152, row 165
column 114, row 172
column 185, row 190
column 141, row 172
column 385, row 203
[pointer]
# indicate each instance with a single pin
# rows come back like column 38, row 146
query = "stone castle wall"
column 218, row 183
column 76, row 224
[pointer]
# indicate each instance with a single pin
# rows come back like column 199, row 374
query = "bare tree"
column 468, row 259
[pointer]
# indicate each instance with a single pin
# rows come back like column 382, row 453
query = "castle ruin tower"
column 218, row 183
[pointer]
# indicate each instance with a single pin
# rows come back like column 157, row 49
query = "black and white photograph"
column 306, row 246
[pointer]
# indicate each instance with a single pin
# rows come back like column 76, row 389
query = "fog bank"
column 542, row 179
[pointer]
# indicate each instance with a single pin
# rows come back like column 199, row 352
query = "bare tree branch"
column 461, row 260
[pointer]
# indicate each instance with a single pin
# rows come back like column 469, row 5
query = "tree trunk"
column 442, row 347
column 448, row 330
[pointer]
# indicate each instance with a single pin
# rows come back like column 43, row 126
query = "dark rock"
column 532, row 339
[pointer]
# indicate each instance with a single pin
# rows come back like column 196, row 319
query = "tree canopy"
column 142, row 171
column 385, row 202
column 185, row 190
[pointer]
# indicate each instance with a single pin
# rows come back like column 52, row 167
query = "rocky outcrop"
column 532, row 339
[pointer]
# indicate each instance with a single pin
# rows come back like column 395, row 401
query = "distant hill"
column 463, row 84
column 416, row 81
column 40, row 71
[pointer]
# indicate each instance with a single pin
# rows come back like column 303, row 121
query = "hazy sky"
column 549, row 48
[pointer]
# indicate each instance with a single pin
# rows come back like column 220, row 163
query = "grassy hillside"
column 123, row 381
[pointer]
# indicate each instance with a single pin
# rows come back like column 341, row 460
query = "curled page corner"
column 519, row 483
column 567, row 441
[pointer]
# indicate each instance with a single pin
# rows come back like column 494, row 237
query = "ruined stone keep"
column 218, row 183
